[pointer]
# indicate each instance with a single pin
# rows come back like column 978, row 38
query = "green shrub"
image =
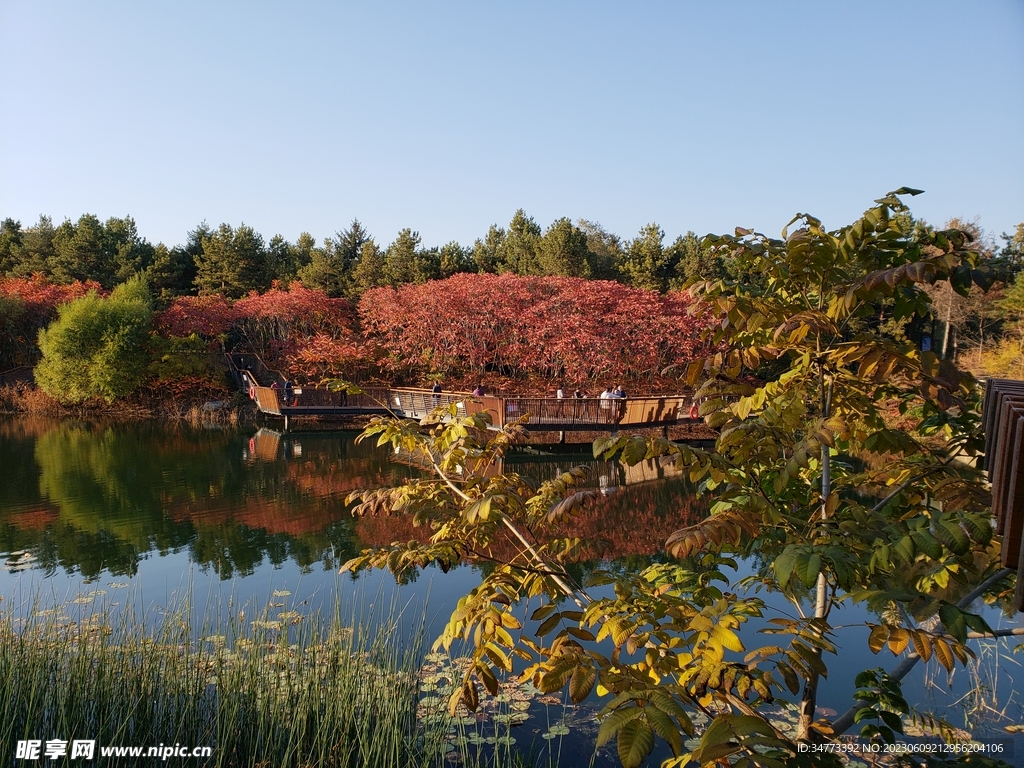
column 97, row 345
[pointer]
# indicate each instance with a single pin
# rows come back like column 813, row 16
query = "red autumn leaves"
column 553, row 327
column 568, row 329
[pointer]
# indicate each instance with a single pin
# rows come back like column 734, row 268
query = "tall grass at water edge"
column 285, row 690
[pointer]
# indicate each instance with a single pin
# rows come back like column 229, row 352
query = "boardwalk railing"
column 417, row 403
column 579, row 413
column 542, row 413
column 371, row 397
column 1003, row 421
column 317, row 401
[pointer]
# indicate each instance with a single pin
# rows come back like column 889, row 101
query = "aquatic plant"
column 282, row 688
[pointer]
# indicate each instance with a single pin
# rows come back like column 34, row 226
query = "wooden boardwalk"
column 543, row 414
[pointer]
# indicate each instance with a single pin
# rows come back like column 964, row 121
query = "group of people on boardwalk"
column 613, row 411
column 609, row 411
column 609, row 407
column 289, row 391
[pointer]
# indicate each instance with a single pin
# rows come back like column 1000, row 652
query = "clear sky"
column 448, row 116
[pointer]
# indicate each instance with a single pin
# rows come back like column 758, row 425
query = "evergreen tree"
column 563, row 251
column 172, row 272
column 453, row 258
column 81, row 252
column 406, row 262
column 285, row 260
column 325, row 271
column 518, row 252
column 331, row 268
column 89, row 249
column 10, row 245
column 348, row 244
column 646, row 264
column 1010, row 259
column 693, row 261
column 232, row 262
column 369, row 270
column 487, row 252
column 131, row 252
column 35, row 254
column 605, row 250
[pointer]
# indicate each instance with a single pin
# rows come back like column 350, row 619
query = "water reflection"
column 89, row 498
column 157, row 500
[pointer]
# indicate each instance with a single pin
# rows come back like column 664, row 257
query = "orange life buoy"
column 252, row 393
column 694, row 411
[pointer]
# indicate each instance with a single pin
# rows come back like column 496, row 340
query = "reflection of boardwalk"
column 309, row 401
column 543, row 414
column 605, row 475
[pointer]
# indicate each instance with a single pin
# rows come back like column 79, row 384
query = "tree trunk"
column 809, row 699
column 946, row 322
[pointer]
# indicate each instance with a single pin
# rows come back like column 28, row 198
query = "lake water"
column 145, row 512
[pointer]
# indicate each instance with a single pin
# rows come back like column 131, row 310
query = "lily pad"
column 555, row 731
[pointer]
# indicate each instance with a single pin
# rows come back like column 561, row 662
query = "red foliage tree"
column 303, row 331
column 320, row 357
column 26, row 306
column 206, row 316
column 554, row 327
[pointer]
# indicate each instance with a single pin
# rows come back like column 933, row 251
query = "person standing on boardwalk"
column 479, row 391
column 619, row 394
column 577, row 407
column 436, row 389
column 606, row 405
column 560, row 406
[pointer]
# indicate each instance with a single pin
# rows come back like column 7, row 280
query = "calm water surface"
column 144, row 513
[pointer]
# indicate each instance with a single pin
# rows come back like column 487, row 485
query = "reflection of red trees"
column 273, row 516
column 338, row 478
column 632, row 521
column 283, row 517
column 32, row 519
column 551, row 326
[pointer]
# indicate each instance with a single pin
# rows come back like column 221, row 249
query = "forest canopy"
column 571, row 301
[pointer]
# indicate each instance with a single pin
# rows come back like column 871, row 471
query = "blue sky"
column 448, row 116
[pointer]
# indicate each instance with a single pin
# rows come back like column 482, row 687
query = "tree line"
column 256, row 292
column 235, row 261
column 85, row 342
